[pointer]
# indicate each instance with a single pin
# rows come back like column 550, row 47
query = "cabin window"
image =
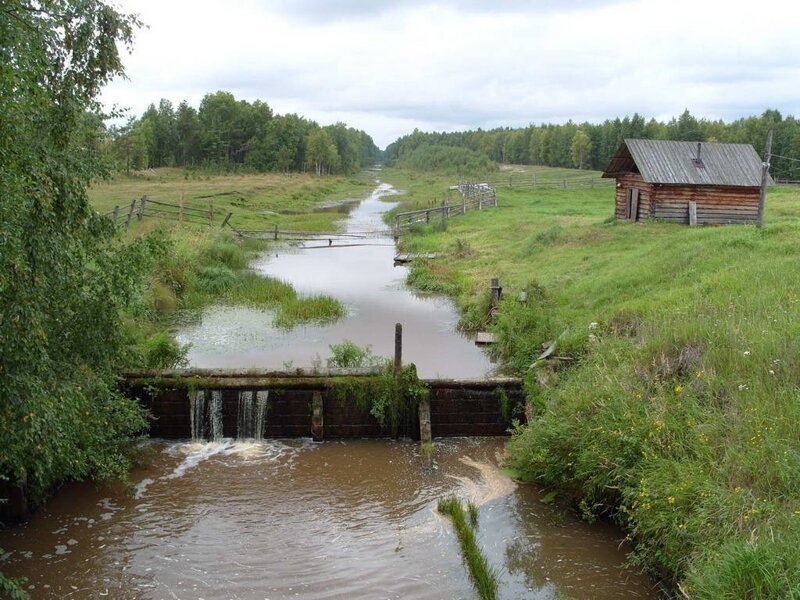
column 633, row 204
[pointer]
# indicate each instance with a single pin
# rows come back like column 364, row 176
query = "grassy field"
column 678, row 411
column 257, row 200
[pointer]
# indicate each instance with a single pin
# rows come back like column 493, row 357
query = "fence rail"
column 180, row 212
column 475, row 196
column 532, row 181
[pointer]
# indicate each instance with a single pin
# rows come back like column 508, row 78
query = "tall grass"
column 483, row 576
column 311, row 309
column 679, row 413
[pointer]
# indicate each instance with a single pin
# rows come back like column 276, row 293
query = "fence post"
column 510, row 181
column 496, row 292
column 115, row 215
column 130, row 213
column 180, row 212
column 565, row 183
column 210, row 212
column 225, row 222
column 141, row 207
column 534, row 180
column 276, row 231
column 428, row 216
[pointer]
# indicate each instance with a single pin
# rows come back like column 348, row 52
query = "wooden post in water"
column 425, row 434
column 317, row 423
column 398, row 349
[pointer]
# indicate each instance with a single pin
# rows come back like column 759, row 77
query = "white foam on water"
column 491, row 485
column 141, row 488
column 195, row 453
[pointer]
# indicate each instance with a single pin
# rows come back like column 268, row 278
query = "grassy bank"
column 677, row 414
column 198, row 266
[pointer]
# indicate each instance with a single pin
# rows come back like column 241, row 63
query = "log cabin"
column 660, row 179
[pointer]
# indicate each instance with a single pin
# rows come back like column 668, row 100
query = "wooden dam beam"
column 322, row 404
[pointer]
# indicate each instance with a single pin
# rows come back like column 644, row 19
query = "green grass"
column 483, row 576
column 257, row 200
column 318, row 310
column 679, row 415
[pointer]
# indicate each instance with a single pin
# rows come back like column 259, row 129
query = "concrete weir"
column 318, row 404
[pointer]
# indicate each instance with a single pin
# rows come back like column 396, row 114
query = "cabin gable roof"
column 676, row 163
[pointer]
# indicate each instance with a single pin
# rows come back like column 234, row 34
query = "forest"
column 590, row 146
column 227, row 133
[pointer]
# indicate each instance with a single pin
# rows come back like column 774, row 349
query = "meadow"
column 673, row 407
column 257, row 200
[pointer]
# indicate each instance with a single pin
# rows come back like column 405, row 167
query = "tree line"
column 228, row 133
column 591, row 146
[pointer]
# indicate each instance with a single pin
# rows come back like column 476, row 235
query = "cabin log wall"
column 716, row 205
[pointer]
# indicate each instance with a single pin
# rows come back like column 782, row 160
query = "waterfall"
column 215, row 415
column 244, row 421
column 262, row 397
column 205, row 406
column 197, row 405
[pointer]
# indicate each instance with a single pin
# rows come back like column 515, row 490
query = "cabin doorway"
column 633, row 204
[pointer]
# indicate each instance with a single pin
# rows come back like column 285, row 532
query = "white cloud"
column 387, row 67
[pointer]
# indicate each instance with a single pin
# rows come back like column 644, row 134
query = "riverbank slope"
column 675, row 406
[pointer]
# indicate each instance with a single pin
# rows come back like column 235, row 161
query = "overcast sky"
column 388, row 67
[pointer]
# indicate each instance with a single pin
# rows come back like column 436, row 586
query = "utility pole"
column 764, row 178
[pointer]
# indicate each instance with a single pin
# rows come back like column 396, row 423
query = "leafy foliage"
column 63, row 278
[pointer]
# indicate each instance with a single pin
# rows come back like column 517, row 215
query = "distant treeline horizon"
column 591, row 146
column 228, row 133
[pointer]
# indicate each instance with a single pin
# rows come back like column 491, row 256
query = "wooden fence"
column 180, row 212
column 474, row 196
column 524, row 180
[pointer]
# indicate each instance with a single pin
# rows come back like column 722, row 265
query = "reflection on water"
column 287, row 519
column 360, row 276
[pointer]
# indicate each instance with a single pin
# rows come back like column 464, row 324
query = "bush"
column 214, row 280
column 161, row 351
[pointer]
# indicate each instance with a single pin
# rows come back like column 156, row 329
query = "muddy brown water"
column 295, row 519
column 360, row 274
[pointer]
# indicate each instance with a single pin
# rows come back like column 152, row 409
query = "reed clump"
column 483, row 576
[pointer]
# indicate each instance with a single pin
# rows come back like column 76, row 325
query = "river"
column 295, row 519
column 281, row 519
column 361, row 276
